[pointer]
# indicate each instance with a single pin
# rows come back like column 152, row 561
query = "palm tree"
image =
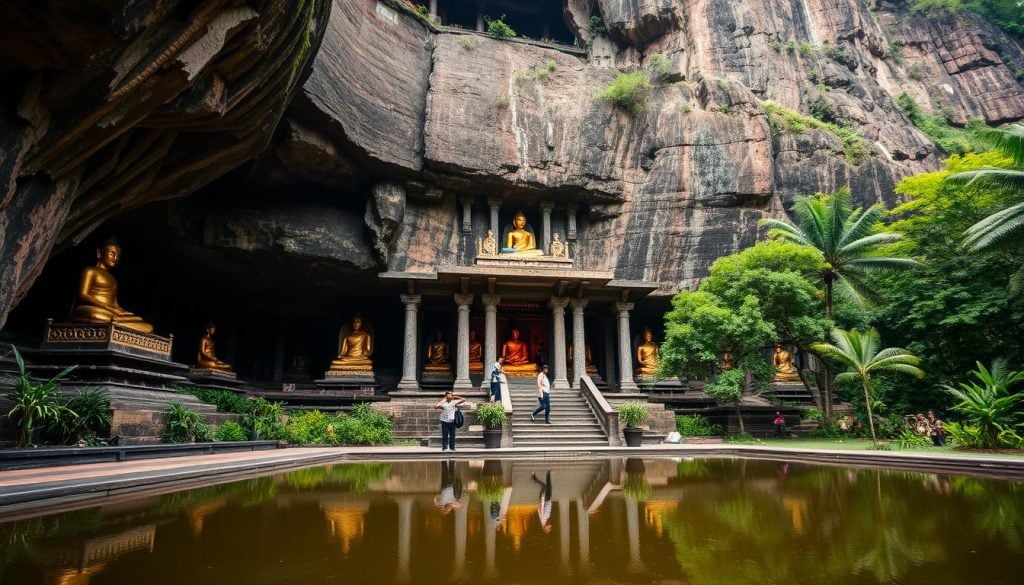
column 858, row 351
column 1005, row 226
column 848, row 243
column 845, row 237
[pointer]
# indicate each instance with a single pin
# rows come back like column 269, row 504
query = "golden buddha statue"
column 207, row 358
column 517, row 356
column 476, row 354
column 647, row 355
column 587, row 356
column 437, row 355
column 97, row 294
column 355, row 350
column 519, row 240
column 785, row 369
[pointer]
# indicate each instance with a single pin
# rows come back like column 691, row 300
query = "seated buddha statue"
column 517, row 356
column 520, row 241
column 97, row 294
column 355, row 350
column 476, row 354
column 647, row 355
column 785, row 369
column 207, row 358
column 588, row 357
column 727, row 361
column 438, row 355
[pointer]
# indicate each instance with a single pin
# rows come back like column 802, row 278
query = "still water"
column 604, row 521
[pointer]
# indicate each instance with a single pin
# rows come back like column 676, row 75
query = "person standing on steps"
column 543, row 396
column 496, row 374
column 448, row 405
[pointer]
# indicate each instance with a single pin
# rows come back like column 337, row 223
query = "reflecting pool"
column 697, row 521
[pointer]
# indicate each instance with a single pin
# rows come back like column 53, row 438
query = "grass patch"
column 783, row 120
column 498, row 28
column 949, row 138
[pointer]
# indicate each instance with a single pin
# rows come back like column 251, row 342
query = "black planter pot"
column 634, row 437
column 492, row 438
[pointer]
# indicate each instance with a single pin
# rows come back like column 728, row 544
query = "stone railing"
column 607, row 416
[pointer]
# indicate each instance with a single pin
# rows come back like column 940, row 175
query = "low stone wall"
column 415, row 417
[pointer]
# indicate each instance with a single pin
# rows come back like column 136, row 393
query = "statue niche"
column 519, row 238
column 97, row 294
column 355, row 348
column 517, row 356
column 476, row 353
column 647, row 356
column 438, row 357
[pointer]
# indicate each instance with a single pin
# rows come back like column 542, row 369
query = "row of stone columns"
column 557, row 305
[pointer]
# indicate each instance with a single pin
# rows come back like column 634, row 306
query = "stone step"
column 562, row 436
column 559, row 443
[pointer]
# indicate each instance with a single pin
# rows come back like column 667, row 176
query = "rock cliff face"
column 108, row 106
column 402, row 121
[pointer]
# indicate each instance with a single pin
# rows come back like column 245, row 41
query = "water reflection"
column 615, row 521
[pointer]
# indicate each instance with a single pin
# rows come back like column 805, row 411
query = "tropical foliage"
column 36, row 405
column 185, row 425
column 992, row 406
column 364, row 426
column 491, row 415
column 632, row 414
column 697, row 425
column 859, row 352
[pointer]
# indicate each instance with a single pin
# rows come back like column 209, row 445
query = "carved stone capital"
column 490, row 301
column 624, row 308
column 578, row 305
column 463, row 301
column 411, row 301
column 558, row 304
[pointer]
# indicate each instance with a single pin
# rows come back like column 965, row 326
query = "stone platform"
column 507, row 260
column 215, row 379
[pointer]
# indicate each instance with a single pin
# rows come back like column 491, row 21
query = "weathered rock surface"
column 107, row 108
column 398, row 122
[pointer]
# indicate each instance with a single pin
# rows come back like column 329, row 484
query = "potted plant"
column 491, row 416
column 632, row 415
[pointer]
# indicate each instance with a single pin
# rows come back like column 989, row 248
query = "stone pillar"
column 579, row 343
column 610, row 341
column 462, row 347
column 404, row 572
column 626, row 383
column 433, row 8
column 490, row 335
column 490, row 548
column 557, row 305
column 467, row 215
column 545, row 210
column 461, row 528
column 408, row 381
column 583, row 536
column 495, row 205
column 564, row 536
column 633, row 532
column 570, row 213
column 479, row 16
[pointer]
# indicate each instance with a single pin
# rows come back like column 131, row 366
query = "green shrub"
column 224, row 400
column 805, row 48
column 88, row 413
column 964, row 435
column 660, row 67
column 262, row 419
column 629, row 91
column 632, row 414
column 908, row 439
column 697, row 425
column 467, row 42
column 596, row 27
column 837, row 54
column 490, row 490
column 896, row 51
column 777, row 46
column 991, row 403
column 184, row 425
column 950, row 139
column 821, row 109
column 743, row 439
column 916, row 73
column 491, row 415
column 498, row 28
column 307, row 428
column 229, row 431
column 36, row 405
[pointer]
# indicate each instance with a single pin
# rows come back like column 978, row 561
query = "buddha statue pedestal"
column 215, row 378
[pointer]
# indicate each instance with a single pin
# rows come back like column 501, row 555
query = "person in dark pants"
column 543, row 396
column 448, row 405
column 496, row 373
column 780, row 425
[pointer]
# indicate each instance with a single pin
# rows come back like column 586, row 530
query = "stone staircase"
column 573, row 423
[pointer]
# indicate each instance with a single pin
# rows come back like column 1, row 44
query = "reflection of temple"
column 347, row 522
column 76, row 566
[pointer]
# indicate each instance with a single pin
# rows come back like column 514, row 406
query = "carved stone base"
column 105, row 336
column 549, row 262
column 347, row 386
column 346, row 378
column 349, row 375
column 211, row 373
column 217, row 379
column 437, row 377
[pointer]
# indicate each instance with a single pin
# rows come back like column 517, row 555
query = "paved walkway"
column 55, row 488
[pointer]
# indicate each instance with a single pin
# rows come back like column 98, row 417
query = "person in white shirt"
column 496, row 374
column 448, row 405
column 543, row 396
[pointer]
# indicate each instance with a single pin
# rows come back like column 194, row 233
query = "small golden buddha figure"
column 207, row 358
column 517, row 356
column 520, row 241
column 438, row 355
column 727, row 361
column 97, row 294
column 647, row 355
column 785, row 369
column 476, row 354
column 355, row 350
column 489, row 246
column 589, row 357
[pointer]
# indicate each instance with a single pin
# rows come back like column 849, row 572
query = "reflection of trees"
column 250, row 492
column 848, row 526
column 355, row 476
column 19, row 539
column 1001, row 513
